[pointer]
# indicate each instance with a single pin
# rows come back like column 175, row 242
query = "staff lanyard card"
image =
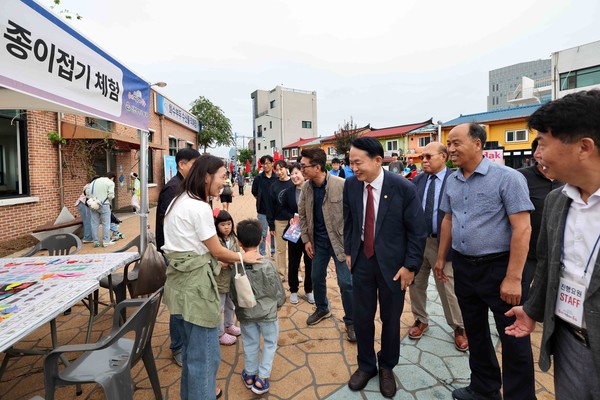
column 569, row 302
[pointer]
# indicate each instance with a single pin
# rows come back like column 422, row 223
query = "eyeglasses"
column 303, row 167
column 427, row 156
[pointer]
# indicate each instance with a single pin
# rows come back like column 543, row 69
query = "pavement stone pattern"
column 311, row 362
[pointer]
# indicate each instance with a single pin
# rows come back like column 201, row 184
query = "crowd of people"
column 471, row 227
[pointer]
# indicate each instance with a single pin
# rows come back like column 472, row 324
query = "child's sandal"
column 264, row 385
column 248, row 379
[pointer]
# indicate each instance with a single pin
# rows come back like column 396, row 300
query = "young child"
column 114, row 228
column 228, row 332
column 262, row 318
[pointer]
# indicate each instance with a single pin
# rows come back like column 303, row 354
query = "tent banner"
column 42, row 56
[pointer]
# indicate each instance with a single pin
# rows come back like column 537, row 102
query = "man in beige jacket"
column 322, row 223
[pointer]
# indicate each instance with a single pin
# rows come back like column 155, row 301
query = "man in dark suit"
column 430, row 188
column 565, row 294
column 384, row 238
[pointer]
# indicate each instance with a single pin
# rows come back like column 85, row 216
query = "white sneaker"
column 310, row 298
column 294, row 298
column 300, row 278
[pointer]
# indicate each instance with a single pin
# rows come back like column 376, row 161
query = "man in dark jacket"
column 185, row 159
column 261, row 189
column 565, row 294
column 540, row 185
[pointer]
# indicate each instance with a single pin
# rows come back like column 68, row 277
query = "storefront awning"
column 73, row 131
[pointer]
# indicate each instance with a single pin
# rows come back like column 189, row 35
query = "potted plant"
column 56, row 139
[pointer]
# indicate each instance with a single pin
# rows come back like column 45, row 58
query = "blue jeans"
column 86, row 219
column 201, row 357
column 262, row 248
column 323, row 253
column 176, row 333
column 251, row 332
column 102, row 215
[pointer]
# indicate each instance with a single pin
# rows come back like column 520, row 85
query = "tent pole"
column 143, row 191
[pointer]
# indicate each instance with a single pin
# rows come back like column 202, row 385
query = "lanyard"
column 591, row 254
column 562, row 256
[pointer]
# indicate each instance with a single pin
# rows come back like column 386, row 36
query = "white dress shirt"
column 582, row 231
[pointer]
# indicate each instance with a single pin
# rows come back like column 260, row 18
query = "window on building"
column 272, row 104
column 424, row 141
column 391, row 145
column 100, row 124
column 150, row 170
column 286, row 153
column 173, row 146
column 270, row 124
column 331, row 151
column 259, row 131
column 14, row 165
column 581, row 78
column 272, row 143
column 520, row 135
column 259, row 146
column 307, row 124
column 189, row 145
column 294, row 152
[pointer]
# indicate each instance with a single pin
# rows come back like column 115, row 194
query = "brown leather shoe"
column 417, row 330
column 460, row 339
column 387, row 382
column 359, row 379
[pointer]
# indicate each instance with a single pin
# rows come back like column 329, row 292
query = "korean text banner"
column 41, row 56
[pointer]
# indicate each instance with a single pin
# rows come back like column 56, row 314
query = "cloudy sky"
column 382, row 62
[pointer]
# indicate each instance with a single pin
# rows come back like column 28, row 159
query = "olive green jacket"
column 191, row 289
column 224, row 278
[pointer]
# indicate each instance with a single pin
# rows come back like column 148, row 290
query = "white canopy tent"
column 47, row 65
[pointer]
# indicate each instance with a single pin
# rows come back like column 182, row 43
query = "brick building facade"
column 30, row 167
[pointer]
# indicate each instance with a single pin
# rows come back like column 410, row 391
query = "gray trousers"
column 418, row 290
column 575, row 374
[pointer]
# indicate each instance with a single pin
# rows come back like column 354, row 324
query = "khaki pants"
column 281, row 249
column 418, row 290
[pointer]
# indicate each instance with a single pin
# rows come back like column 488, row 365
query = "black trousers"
column 295, row 252
column 477, row 286
column 368, row 285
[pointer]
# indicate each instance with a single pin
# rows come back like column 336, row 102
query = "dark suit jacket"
column 167, row 194
column 542, row 296
column 289, row 206
column 420, row 181
column 400, row 231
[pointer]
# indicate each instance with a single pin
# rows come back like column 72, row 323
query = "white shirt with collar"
column 377, row 185
column 582, row 231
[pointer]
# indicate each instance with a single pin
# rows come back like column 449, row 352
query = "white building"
column 282, row 116
column 576, row 69
column 519, row 85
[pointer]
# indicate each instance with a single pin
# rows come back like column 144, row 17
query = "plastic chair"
column 109, row 361
column 59, row 244
column 119, row 282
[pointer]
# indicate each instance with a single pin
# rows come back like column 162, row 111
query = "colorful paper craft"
column 8, row 289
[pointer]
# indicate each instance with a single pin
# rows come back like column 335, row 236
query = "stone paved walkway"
column 311, row 362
